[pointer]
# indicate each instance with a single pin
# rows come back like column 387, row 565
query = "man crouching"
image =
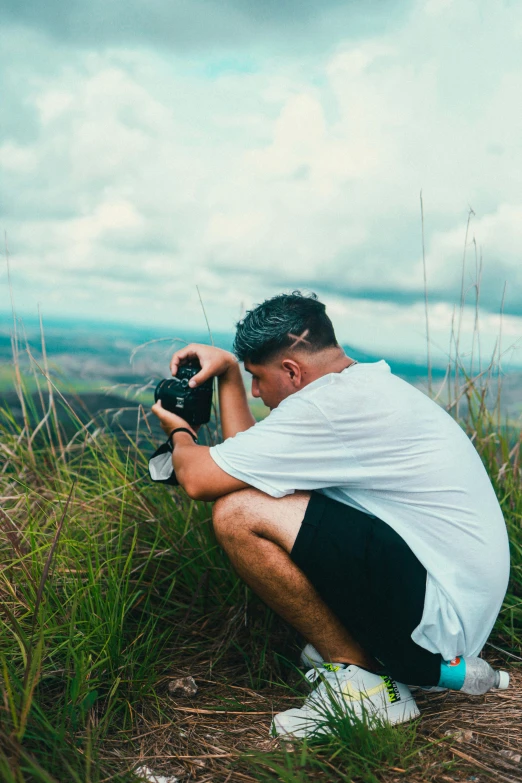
column 358, row 510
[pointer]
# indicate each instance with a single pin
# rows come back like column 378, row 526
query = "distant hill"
column 90, row 357
column 406, row 369
column 116, row 413
column 90, row 349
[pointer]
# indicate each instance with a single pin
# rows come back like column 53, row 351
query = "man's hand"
column 170, row 421
column 195, row 469
column 233, row 404
column 214, row 361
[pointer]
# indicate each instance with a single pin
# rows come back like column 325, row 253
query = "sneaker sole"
column 297, row 724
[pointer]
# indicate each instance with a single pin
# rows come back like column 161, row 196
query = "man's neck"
column 328, row 361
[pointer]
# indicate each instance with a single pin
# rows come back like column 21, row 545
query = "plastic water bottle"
column 480, row 677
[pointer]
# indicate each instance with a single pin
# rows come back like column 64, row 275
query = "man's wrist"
column 232, row 373
column 179, row 433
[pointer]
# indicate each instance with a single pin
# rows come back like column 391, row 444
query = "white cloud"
column 496, row 237
column 436, row 7
column 52, row 104
column 394, row 330
column 145, row 177
column 17, row 158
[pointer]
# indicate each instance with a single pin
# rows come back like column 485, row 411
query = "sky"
column 239, row 148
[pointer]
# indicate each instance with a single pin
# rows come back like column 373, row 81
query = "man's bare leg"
column 258, row 532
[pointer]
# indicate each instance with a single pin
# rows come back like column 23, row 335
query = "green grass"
column 108, row 580
column 130, row 566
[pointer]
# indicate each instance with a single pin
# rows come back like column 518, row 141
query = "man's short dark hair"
column 284, row 322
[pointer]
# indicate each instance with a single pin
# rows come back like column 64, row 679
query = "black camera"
column 193, row 405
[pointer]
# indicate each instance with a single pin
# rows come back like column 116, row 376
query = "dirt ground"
column 208, row 735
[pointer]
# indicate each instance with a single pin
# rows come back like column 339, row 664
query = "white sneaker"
column 310, row 657
column 347, row 691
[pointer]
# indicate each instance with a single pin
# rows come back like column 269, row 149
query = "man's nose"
column 255, row 389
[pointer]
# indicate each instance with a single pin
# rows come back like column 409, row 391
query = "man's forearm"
column 197, row 472
column 185, row 459
column 233, row 404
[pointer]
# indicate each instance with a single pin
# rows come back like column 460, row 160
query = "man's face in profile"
column 270, row 382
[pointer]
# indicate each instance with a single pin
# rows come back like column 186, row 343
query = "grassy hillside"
column 112, row 588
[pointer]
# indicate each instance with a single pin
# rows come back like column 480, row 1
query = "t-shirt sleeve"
column 295, row 447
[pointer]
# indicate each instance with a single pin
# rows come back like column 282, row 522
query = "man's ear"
column 293, row 371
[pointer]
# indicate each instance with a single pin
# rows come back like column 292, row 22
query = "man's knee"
column 229, row 515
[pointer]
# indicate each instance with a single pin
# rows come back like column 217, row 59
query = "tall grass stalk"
column 426, row 306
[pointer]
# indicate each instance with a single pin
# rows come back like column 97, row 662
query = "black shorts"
column 369, row 577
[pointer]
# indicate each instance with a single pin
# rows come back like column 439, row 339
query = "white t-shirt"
column 369, row 439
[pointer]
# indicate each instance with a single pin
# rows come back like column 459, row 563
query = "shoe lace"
column 324, row 671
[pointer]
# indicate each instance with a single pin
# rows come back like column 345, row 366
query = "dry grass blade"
column 499, row 364
column 15, row 539
column 215, row 396
column 14, row 344
column 13, row 535
column 428, row 343
column 152, row 342
column 71, row 409
column 205, row 315
column 202, row 711
column 52, row 404
column 504, row 652
column 477, row 763
column 461, row 306
column 48, row 561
